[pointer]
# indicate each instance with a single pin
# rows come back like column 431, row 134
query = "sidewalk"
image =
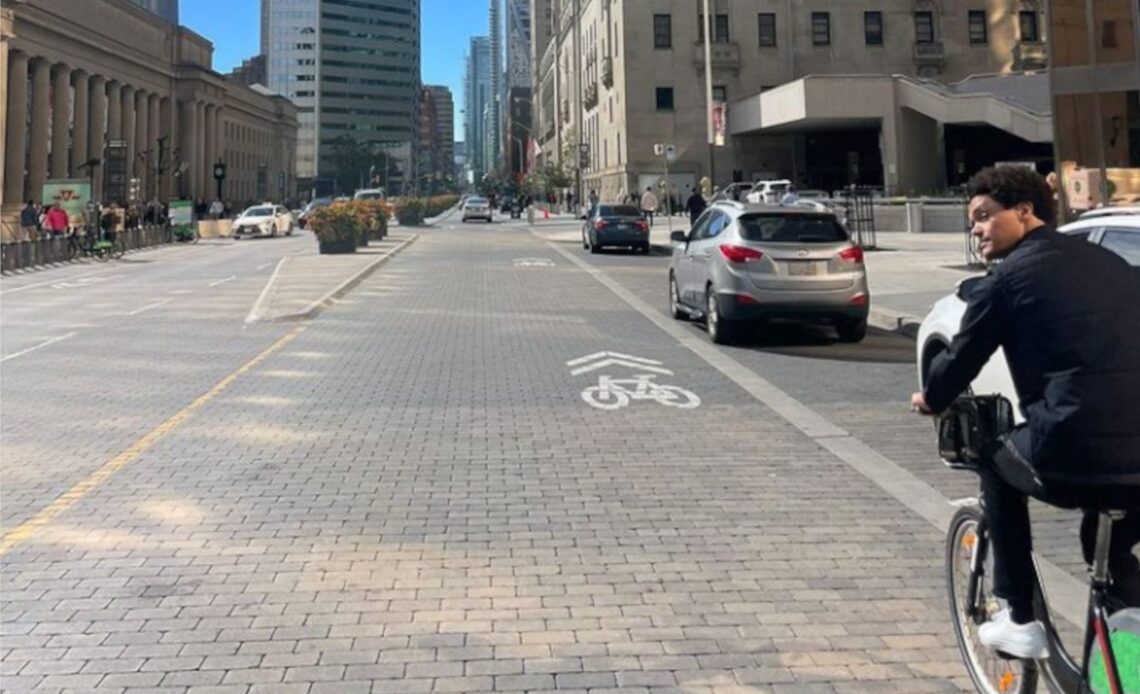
column 907, row 273
column 304, row 283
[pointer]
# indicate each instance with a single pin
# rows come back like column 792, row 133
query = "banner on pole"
column 718, row 123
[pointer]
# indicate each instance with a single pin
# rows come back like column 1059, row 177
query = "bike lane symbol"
column 612, row 393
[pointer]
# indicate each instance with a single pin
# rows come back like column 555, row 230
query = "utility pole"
column 709, row 95
column 581, row 104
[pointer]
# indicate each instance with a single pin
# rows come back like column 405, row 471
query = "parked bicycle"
column 1110, row 654
column 93, row 244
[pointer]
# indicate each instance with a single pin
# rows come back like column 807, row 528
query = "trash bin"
column 914, row 217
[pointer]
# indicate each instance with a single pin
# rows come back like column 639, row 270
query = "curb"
column 894, row 321
column 313, row 309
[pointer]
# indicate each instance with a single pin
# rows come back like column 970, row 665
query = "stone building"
column 116, row 72
column 825, row 92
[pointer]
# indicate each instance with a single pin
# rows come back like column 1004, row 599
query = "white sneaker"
column 1018, row 640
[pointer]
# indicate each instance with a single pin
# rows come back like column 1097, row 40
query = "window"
column 1124, row 242
column 719, row 28
column 924, row 27
column 767, row 29
column 873, row 28
column 781, row 228
column 1027, row 20
column 978, row 29
column 662, row 31
column 1108, row 34
column 821, row 28
column 717, row 223
column 720, row 93
column 664, row 98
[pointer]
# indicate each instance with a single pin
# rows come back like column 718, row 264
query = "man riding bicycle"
column 1067, row 314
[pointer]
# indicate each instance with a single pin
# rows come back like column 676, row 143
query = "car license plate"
column 622, row 227
column 801, row 268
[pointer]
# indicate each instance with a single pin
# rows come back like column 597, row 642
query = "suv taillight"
column 852, row 255
column 642, row 224
column 600, row 224
column 740, row 254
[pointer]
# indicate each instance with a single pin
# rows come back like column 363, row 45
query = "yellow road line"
column 29, row 528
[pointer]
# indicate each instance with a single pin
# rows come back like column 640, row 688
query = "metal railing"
column 22, row 255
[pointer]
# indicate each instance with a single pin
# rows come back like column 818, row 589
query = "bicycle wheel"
column 676, row 396
column 605, row 398
column 991, row 673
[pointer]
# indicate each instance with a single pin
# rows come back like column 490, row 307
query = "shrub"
column 342, row 221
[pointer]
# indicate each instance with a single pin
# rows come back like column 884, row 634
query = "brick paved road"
column 413, row 496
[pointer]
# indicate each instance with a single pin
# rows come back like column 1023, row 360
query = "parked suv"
column 745, row 263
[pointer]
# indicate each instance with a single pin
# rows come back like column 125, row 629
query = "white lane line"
column 51, row 282
column 262, row 266
column 148, row 307
column 1067, row 595
column 41, row 345
column 255, row 312
column 231, row 278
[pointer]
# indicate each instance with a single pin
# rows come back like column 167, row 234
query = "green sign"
column 71, row 194
column 181, row 212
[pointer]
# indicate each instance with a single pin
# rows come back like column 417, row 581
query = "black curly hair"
column 1013, row 185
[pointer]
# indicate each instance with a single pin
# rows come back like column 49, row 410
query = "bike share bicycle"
column 1110, row 656
column 95, row 241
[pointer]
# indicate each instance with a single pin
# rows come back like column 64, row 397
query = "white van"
column 369, row 194
column 768, row 192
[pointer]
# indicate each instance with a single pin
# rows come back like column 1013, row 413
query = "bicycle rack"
column 859, row 207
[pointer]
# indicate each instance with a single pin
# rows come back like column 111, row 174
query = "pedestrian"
column 695, row 205
column 56, row 221
column 570, row 202
column 29, row 222
column 217, row 208
column 593, row 202
column 791, row 197
column 649, row 204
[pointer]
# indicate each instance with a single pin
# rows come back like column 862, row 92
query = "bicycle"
column 94, row 245
column 614, row 393
column 1110, row 662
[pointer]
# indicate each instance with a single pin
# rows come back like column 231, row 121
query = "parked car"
column 768, row 192
column 745, row 263
column 264, row 220
column 616, row 225
column 1117, row 229
column 303, row 217
column 477, row 208
column 369, row 194
column 733, row 191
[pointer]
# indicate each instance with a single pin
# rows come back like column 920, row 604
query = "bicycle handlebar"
column 969, row 425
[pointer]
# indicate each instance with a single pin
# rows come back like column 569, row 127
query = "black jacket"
column 1067, row 314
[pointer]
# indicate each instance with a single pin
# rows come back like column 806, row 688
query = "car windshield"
column 477, row 201
column 618, row 211
column 791, row 228
column 258, row 212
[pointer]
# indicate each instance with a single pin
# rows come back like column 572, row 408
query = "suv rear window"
column 618, row 211
column 790, row 228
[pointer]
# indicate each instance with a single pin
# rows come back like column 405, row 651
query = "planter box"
column 338, row 246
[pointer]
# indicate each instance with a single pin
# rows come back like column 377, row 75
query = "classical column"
column 142, row 140
column 210, row 156
column 79, row 129
column 60, row 121
column 219, row 141
column 153, row 130
column 169, row 161
column 17, row 134
column 128, row 97
column 188, row 123
column 97, row 128
column 41, row 107
column 114, row 110
column 200, row 179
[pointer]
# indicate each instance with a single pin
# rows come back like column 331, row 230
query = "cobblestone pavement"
column 412, row 494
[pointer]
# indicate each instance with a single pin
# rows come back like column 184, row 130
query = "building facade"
column 167, row 9
column 1095, row 80
column 443, row 136
column 121, row 75
column 641, row 68
column 517, row 126
column 493, row 117
column 477, row 97
column 352, row 69
column 251, row 71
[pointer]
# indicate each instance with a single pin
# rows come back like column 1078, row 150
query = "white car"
column 369, row 194
column 768, row 192
column 477, row 208
column 1117, row 229
column 264, row 220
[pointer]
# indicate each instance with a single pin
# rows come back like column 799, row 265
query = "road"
column 412, row 492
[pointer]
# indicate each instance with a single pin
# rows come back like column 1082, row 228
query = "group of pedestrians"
column 40, row 222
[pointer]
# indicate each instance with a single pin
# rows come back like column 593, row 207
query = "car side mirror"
column 679, row 237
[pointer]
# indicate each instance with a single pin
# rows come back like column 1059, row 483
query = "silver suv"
column 746, row 262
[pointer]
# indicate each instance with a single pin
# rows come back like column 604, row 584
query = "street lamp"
column 220, row 175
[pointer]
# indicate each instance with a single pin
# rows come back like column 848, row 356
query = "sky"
column 447, row 26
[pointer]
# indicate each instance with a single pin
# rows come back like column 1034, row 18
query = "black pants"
column 1007, row 483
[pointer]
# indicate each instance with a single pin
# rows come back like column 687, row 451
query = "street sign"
column 583, row 155
column 115, row 169
column 671, row 153
column 117, row 143
column 658, row 149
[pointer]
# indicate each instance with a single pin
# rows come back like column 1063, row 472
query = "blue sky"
column 448, row 25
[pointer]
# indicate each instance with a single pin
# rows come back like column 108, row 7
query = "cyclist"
column 1067, row 314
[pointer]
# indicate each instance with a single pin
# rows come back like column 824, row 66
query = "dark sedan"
column 616, row 225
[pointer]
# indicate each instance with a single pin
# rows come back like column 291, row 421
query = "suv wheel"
column 675, row 308
column 852, row 330
column 721, row 331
